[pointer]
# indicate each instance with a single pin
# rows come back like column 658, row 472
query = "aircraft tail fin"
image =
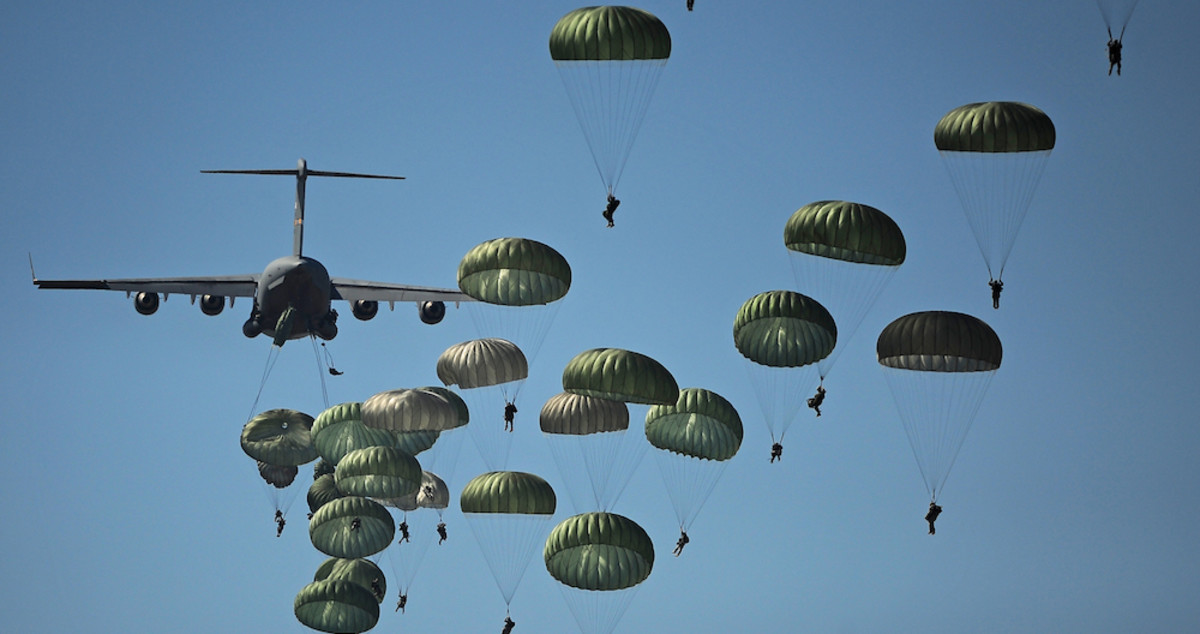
column 301, row 173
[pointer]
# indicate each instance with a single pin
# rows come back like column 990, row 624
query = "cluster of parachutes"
column 398, row 448
column 843, row 254
column 938, row 364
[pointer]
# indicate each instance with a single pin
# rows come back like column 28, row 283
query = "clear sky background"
column 129, row 506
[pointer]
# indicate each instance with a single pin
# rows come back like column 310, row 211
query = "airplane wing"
column 223, row 286
column 354, row 290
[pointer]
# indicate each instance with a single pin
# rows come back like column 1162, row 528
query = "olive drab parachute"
column 378, row 472
column 351, row 527
column 278, row 476
column 783, row 334
column 406, row 410
column 592, row 433
column 843, row 254
column 696, row 437
column 490, row 373
column 279, row 437
column 995, row 153
column 634, row 379
column 509, row 513
column 610, row 59
column 938, row 365
column 518, row 283
column 321, row 491
column 599, row 558
column 340, row 430
column 620, row 375
column 364, row 572
column 336, row 605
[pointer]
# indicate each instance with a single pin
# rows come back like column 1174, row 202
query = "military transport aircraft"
column 292, row 296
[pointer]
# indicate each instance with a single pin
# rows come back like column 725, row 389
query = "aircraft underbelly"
column 298, row 282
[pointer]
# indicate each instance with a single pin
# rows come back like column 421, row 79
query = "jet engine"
column 146, row 303
column 252, row 328
column 212, row 304
column 364, row 309
column 431, row 312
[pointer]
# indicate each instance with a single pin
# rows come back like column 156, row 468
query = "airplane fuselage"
column 298, row 282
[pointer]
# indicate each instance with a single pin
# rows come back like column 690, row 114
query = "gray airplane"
column 292, row 296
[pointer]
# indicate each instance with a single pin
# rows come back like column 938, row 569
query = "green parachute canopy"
column 939, row 341
column 482, row 362
column 405, row 410
column 599, row 551
column 701, row 424
column 364, row 572
column 846, row 231
column 278, row 476
column 514, row 272
column 340, row 430
column 620, row 375
column 994, row 126
column 323, row 490
column 332, row 527
column 279, row 437
column 336, row 605
column 577, row 415
column 784, row 329
column 378, row 472
column 509, row 492
column 609, row 33
column 452, row 397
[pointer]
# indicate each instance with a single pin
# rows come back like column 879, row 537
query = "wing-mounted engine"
column 364, row 309
column 212, row 304
column 146, row 303
column 431, row 312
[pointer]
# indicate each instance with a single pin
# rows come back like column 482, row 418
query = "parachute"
column 617, row 375
column 322, row 491
column 336, row 605
column 696, row 437
column 364, row 572
column 938, row 365
column 620, row 375
column 490, row 373
column 509, row 513
column 843, row 254
column 406, row 410
column 783, row 334
column 610, row 59
column 995, row 153
column 279, row 440
column 599, row 558
column 518, row 283
column 593, row 433
column 351, row 527
column 378, row 472
column 340, row 430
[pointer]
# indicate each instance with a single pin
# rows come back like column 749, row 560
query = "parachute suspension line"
column 272, row 357
column 323, row 366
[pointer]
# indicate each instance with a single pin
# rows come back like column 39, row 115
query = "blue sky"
column 1073, row 505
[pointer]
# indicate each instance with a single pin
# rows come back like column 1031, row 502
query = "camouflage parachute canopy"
column 995, row 126
column 784, row 329
column 701, row 424
column 939, row 341
column 847, row 231
column 609, row 33
column 511, row 492
column 599, row 551
column 514, row 272
column 364, row 572
column 620, row 375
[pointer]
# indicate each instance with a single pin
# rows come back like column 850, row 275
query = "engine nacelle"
column 326, row 331
column 146, row 303
column 212, row 304
column 365, row 309
column 431, row 312
column 252, row 328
